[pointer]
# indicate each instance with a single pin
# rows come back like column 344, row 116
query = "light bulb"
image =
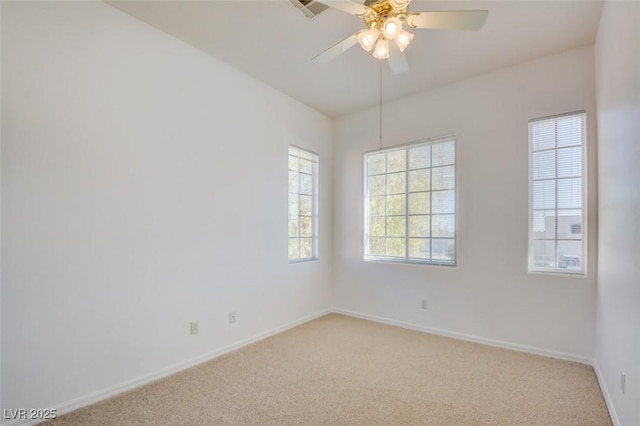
column 391, row 28
column 403, row 39
column 368, row 38
column 382, row 49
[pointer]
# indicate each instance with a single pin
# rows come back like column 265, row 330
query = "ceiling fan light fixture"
column 403, row 39
column 391, row 28
column 384, row 20
column 368, row 38
column 398, row 4
column 382, row 49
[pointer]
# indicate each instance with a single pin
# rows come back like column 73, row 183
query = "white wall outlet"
column 232, row 317
column 623, row 381
column 424, row 304
column 195, row 328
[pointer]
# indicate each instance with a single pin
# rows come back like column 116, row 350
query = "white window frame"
column 555, row 266
column 407, row 258
column 294, row 215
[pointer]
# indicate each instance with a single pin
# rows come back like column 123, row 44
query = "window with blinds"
column 410, row 203
column 557, row 194
column 303, row 205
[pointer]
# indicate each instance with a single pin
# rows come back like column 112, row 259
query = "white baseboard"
column 469, row 338
column 501, row 344
column 152, row 377
column 112, row 391
column 607, row 396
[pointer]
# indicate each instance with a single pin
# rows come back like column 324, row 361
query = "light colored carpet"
column 338, row 370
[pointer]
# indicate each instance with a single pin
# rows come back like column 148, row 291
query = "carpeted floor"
column 338, row 370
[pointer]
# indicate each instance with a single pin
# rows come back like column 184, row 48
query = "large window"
column 557, row 222
column 410, row 203
column 303, row 205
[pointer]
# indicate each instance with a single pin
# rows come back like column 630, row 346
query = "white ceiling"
column 274, row 42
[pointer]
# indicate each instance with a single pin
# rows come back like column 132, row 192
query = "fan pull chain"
column 380, row 60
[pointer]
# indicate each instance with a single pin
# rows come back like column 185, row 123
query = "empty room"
column 320, row 212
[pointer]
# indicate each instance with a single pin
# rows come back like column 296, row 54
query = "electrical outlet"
column 623, row 380
column 424, row 304
column 232, row 317
column 195, row 328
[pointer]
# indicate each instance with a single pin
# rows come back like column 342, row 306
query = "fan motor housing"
column 384, row 9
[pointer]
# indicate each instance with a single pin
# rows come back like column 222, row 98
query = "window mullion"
column 556, row 135
column 430, row 204
column 307, row 245
column 556, row 198
column 396, row 164
column 386, row 213
column 406, row 205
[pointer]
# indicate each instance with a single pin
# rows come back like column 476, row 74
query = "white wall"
column 618, row 311
column 489, row 295
column 0, row 206
column 144, row 186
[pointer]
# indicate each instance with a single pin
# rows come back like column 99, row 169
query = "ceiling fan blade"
column 336, row 49
column 349, row 6
column 397, row 60
column 448, row 19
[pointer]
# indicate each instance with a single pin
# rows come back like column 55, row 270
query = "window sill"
column 409, row 262
column 292, row 262
column 556, row 272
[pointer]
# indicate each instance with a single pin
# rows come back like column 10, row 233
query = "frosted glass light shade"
column 368, row 38
column 391, row 28
column 382, row 49
column 403, row 39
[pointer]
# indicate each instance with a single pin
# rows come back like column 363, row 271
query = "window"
column 556, row 237
column 303, row 205
column 410, row 203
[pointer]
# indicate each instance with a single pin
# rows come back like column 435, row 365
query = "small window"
column 557, row 182
column 410, row 203
column 303, row 205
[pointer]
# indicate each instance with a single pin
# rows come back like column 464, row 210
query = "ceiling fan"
column 384, row 20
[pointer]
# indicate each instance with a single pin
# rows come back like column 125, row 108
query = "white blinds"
column 556, row 231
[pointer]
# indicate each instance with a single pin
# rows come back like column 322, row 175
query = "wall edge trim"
column 109, row 392
column 470, row 338
column 606, row 394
